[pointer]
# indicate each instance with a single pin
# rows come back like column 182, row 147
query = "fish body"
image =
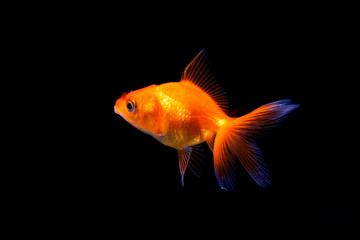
column 184, row 114
column 185, row 123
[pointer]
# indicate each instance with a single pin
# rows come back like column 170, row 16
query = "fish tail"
column 236, row 140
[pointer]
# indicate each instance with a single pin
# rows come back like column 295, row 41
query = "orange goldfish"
column 187, row 113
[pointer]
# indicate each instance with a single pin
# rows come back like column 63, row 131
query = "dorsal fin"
column 199, row 73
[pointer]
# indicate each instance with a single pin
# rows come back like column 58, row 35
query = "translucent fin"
column 196, row 162
column 266, row 117
column 199, row 73
column 236, row 140
column 210, row 141
column 183, row 157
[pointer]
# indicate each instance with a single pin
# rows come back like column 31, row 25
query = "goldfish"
column 195, row 110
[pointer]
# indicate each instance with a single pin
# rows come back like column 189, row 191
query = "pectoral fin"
column 158, row 131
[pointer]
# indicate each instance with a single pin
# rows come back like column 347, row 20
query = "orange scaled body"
column 186, row 113
column 181, row 122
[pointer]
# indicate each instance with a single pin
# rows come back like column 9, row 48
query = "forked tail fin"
column 237, row 140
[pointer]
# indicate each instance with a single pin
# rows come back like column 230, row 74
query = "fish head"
column 140, row 108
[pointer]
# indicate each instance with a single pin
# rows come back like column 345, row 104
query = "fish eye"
column 131, row 106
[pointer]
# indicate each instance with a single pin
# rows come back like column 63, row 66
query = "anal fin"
column 210, row 141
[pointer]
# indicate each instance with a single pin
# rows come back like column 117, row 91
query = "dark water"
column 94, row 161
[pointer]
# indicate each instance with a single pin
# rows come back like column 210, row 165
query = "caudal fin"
column 237, row 140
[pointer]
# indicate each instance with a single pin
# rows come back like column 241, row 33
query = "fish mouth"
column 117, row 110
column 117, row 105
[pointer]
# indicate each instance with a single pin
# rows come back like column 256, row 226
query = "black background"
column 95, row 164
